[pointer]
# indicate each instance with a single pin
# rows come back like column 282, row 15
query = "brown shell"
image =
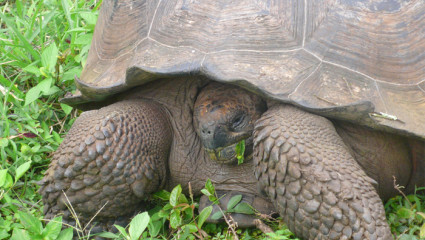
column 362, row 61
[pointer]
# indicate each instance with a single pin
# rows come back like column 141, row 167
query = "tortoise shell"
column 361, row 61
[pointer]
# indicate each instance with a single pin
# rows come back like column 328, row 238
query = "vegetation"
column 43, row 45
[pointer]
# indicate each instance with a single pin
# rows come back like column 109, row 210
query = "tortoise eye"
column 238, row 121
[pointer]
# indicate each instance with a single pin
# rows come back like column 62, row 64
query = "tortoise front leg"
column 112, row 157
column 316, row 185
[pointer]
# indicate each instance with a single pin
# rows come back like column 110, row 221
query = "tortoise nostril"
column 206, row 131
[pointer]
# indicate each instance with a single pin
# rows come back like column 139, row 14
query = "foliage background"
column 43, row 45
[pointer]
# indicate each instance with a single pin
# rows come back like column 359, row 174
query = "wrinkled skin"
column 326, row 179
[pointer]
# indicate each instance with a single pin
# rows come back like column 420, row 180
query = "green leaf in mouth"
column 240, row 151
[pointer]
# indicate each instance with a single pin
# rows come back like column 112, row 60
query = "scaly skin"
column 107, row 158
column 305, row 168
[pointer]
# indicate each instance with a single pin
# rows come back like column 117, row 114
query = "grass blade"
column 26, row 45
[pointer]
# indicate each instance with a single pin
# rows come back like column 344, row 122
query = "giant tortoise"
column 329, row 97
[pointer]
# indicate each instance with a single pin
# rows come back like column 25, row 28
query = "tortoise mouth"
column 227, row 154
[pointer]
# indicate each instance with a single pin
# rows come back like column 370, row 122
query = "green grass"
column 43, row 45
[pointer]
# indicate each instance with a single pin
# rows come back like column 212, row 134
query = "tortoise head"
column 223, row 116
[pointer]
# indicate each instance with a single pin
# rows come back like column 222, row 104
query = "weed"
column 406, row 216
column 180, row 215
column 44, row 44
